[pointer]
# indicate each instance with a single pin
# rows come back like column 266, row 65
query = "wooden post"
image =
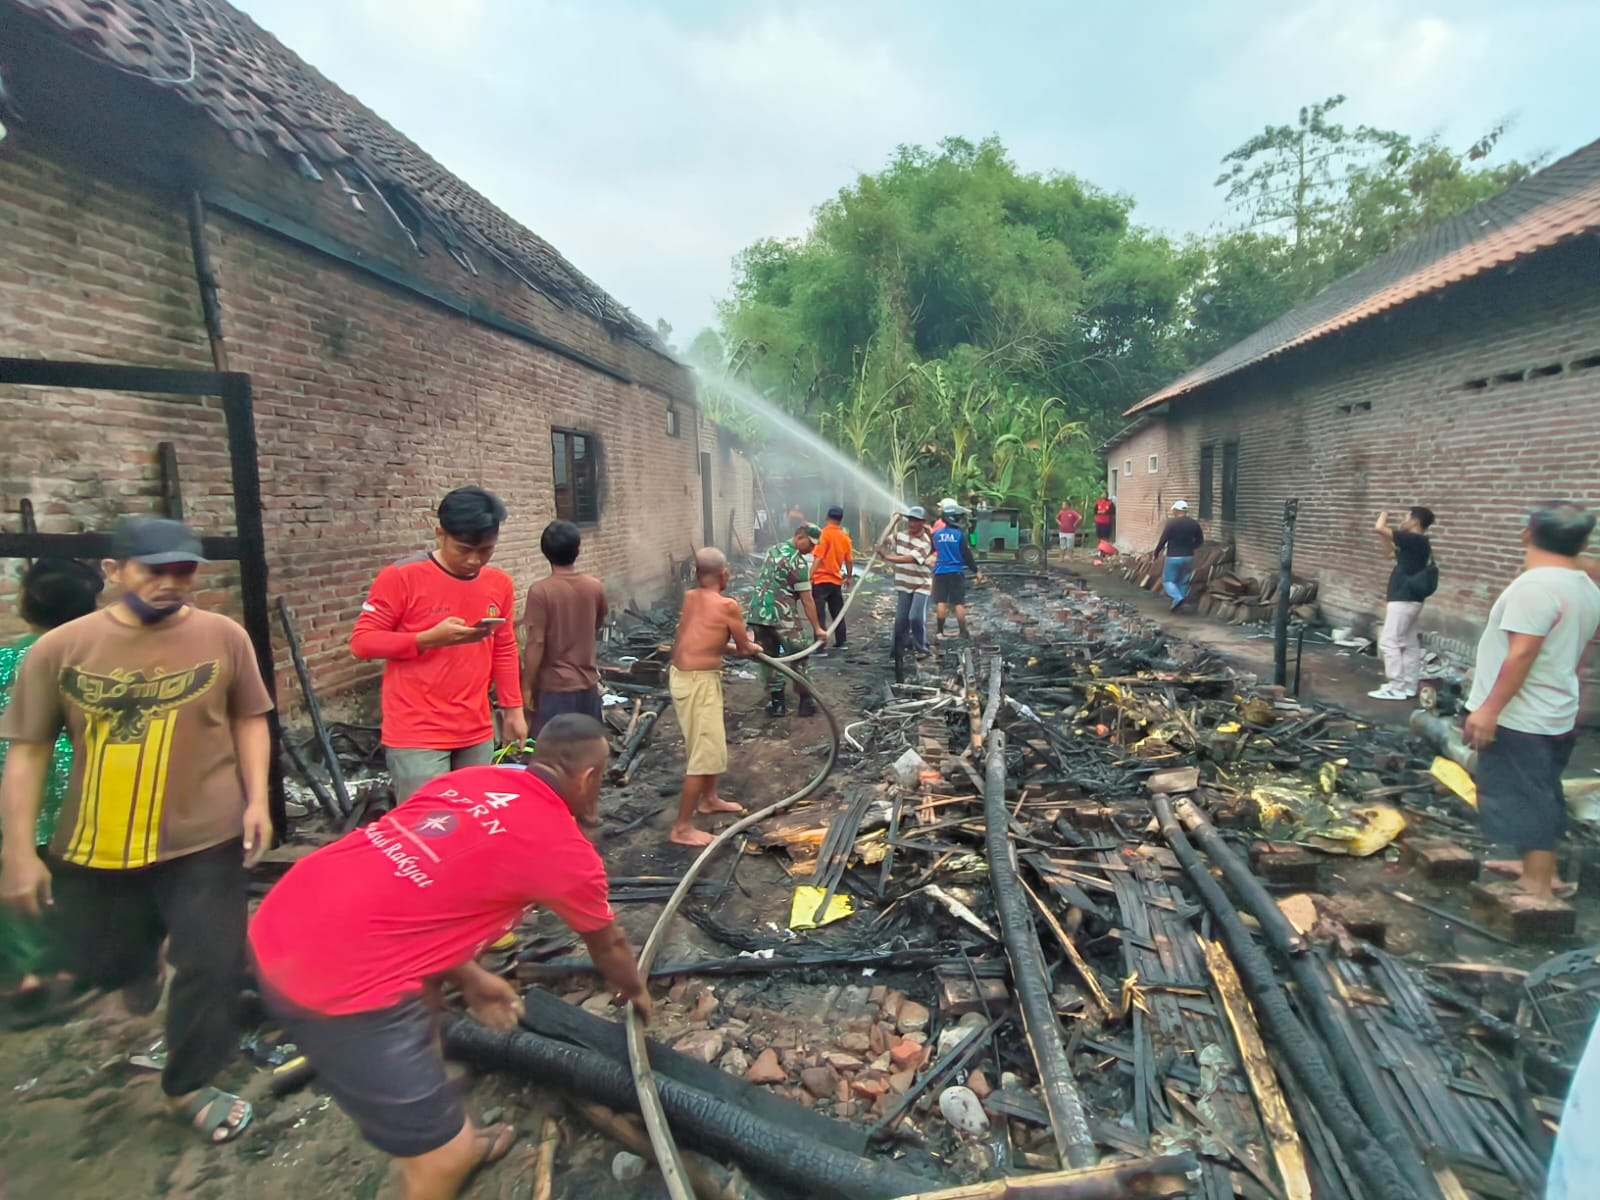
column 1280, row 623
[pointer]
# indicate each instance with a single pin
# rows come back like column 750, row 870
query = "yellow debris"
column 807, row 899
column 1454, row 776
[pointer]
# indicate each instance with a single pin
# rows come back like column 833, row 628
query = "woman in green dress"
column 53, row 592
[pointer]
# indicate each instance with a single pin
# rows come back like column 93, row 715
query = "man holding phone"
column 440, row 622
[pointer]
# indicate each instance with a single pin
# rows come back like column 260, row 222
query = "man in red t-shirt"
column 1067, row 522
column 442, row 623
column 412, row 900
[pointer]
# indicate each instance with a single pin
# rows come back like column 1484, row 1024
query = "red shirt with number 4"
column 438, row 699
column 361, row 924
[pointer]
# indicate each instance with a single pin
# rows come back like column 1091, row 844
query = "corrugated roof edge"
column 1552, row 206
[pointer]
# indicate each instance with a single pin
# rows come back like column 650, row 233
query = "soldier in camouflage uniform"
column 782, row 597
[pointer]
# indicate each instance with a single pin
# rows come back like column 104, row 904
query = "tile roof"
column 273, row 104
column 1555, row 204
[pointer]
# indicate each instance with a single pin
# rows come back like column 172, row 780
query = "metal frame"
column 248, row 547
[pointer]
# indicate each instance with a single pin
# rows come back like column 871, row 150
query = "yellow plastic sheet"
column 803, row 912
column 1454, row 776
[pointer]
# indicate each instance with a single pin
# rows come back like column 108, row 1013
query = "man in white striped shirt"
column 910, row 549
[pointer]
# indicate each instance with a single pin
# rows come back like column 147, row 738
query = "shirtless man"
column 710, row 621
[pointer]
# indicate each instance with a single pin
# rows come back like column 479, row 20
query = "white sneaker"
column 1388, row 692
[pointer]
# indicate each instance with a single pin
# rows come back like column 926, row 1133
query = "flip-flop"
column 494, row 1143
column 208, row 1111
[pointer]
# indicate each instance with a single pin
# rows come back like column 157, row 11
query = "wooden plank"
column 1169, row 1175
column 1282, row 1135
column 1071, row 951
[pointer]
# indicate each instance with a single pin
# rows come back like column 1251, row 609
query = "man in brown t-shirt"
column 165, row 809
column 559, row 624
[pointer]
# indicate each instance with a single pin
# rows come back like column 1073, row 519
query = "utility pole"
column 1280, row 624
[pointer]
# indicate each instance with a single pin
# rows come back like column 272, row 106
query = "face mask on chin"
column 150, row 614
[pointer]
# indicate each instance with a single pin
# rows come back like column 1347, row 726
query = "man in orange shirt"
column 441, row 622
column 832, row 563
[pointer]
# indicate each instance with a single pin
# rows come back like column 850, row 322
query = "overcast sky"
column 650, row 142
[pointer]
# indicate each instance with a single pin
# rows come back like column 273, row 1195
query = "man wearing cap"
column 782, row 596
column 832, row 566
column 166, row 807
column 1180, row 538
column 952, row 560
column 910, row 549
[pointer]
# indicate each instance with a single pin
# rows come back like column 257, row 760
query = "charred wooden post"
column 631, row 749
column 1280, row 934
column 1030, row 979
column 313, row 709
column 1280, row 621
column 1168, row 1175
column 1318, row 1079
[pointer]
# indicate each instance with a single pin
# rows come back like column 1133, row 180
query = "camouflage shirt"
column 776, row 601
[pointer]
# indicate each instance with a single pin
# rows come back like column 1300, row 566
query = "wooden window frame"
column 1208, row 471
column 576, row 478
column 1230, row 481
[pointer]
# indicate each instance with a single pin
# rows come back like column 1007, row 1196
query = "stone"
column 891, row 1005
column 820, row 1082
column 706, row 1045
column 962, row 1108
column 884, row 1062
column 600, row 1005
column 911, row 1017
column 960, row 996
column 735, row 1062
column 766, row 1068
column 840, row 1061
column 900, row 1082
column 906, row 1055
column 845, row 1110
column 878, row 994
column 877, row 1041
column 841, row 1091
column 950, row 1037
column 980, row 1085
column 918, row 1037
column 704, row 1007
column 626, row 1165
column 856, row 1043
column 869, row 1089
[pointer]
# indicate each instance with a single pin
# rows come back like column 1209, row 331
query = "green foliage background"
column 963, row 327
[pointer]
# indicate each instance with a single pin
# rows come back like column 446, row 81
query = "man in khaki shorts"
column 707, row 625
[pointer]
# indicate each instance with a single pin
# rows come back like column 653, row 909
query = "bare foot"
column 1558, row 890
column 1511, row 868
column 688, row 835
column 717, row 804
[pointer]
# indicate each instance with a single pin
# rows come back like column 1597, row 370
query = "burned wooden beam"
column 1305, row 1053
column 1167, row 1175
column 341, row 792
column 1030, row 978
column 715, row 1125
column 631, row 749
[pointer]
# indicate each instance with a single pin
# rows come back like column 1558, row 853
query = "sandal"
column 209, row 1110
column 494, row 1143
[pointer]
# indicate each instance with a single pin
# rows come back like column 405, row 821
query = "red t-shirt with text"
column 360, row 925
column 438, row 699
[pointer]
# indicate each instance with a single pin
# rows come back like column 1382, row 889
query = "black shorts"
column 383, row 1069
column 556, row 704
column 1520, row 801
column 950, row 589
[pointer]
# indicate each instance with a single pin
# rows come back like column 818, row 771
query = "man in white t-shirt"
column 1523, row 709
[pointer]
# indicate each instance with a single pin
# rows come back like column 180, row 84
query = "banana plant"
column 1038, row 438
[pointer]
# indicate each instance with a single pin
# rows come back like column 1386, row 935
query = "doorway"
column 707, row 510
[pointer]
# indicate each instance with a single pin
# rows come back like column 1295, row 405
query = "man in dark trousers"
column 1410, row 583
column 563, row 615
column 1180, row 538
column 165, row 810
column 418, row 895
column 952, row 560
column 1522, row 713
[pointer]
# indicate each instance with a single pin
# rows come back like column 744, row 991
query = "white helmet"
column 948, row 505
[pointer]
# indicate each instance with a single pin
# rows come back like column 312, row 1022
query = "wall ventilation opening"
column 1546, row 371
column 1360, row 407
column 1510, row 376
column 1475, row 385
column 1588, row 363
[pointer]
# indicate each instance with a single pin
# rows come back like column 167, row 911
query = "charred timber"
column 291, row 633
column 1377, row 1169
column 1068, row 1123
column 1314, row 995
column 636, row 742
column 715, row 1125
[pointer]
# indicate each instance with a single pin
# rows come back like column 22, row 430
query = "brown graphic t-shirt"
column 148, row 709
column 565, row 612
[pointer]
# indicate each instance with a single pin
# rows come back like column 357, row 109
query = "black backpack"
column 1426, row 581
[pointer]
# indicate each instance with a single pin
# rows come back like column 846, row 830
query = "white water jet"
column 803, row 439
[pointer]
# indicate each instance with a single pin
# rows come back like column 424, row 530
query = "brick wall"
column 1477, row 404
column 370, row 403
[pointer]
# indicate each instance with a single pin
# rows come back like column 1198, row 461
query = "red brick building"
column 403, row 336
column 1460, row 372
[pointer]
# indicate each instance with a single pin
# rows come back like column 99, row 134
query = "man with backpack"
column 1413, row 580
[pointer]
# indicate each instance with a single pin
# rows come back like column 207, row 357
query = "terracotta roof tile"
column 1555, row 204
column 273, row 104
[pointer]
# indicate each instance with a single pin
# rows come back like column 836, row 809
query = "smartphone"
column 490, row 623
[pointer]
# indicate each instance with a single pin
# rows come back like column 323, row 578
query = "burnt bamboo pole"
column 1167, row 1175
column 1304, row 1053
column 1280, row 620
column 1314, row 994
column 1068, row 1124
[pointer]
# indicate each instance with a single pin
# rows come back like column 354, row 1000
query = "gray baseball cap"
column 155, row 542
column 917, row 513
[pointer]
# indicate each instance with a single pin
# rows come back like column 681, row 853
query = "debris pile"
column 1223, row 594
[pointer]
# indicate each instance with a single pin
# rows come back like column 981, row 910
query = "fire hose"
column 822, row 639
column 644, row 1082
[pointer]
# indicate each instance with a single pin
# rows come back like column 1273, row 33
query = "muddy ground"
column 78, row 1121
